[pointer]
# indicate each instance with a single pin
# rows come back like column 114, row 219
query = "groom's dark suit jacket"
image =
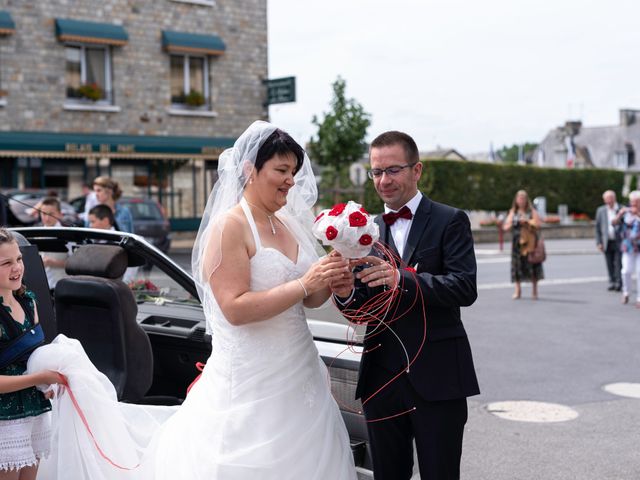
column 440, row 248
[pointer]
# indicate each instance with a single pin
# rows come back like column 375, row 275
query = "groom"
column 434, row 240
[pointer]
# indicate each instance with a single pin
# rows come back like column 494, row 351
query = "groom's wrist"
column 344, row 300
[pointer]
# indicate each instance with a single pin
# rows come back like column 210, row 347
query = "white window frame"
column 186, row 82
column 108, row 87
column 202, row 3
column 621, row 160
column 3, row 98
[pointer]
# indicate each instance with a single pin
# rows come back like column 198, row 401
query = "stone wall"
column 575, row 230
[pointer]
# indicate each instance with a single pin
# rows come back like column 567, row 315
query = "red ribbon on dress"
column 200, row 367
column 65, row 383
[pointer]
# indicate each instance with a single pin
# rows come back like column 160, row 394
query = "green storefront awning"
column 6, row 23
column 90, row 32
column 12, row 143
column 182, row 42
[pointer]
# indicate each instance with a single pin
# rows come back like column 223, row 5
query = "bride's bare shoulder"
column 233, row 220
column 235, row 228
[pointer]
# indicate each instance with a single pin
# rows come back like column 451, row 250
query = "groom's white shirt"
column 400, row 229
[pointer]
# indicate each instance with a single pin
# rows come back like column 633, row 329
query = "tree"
column 340, row 138
column 510, row 154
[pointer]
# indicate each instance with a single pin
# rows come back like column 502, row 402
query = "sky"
column 460, row 74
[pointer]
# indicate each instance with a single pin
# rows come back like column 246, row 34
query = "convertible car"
column 148, row 335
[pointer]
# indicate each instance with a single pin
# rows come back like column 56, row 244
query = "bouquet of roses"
column 348, row 228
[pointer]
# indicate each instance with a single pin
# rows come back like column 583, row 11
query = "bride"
column 262, row 408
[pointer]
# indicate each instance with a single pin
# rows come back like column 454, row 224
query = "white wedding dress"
column 262, row 408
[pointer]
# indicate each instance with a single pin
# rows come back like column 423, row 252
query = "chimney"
column 627, row 117
column 572, row 127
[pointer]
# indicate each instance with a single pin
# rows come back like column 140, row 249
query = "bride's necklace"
column 269, row 217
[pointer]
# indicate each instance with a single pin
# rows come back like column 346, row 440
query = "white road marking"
column 528, row 411
column 631, row 390
column 493, row 260
column 553, row 281
column 482, row 251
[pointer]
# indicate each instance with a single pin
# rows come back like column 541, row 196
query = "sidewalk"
column 182, row 242
column 554, row 246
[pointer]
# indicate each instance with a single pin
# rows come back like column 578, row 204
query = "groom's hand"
column 377, row 272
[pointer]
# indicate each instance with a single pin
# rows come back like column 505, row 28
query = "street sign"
column 281, row 90
column 357, row 174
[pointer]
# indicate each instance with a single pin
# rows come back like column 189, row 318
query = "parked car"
column 149, row 219
column 167, row 309
column 21, row 203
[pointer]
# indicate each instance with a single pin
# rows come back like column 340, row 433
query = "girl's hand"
column 49, row 377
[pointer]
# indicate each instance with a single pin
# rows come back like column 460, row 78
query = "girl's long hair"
column 7, row 237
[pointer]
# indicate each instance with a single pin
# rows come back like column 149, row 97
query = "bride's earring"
column 250, row 181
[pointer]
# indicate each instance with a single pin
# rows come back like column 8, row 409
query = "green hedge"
column 484, row 186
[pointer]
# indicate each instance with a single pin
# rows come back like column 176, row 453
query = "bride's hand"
column 342, row 285
column 325, row 271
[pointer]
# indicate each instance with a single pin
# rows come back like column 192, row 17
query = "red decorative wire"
column 378, row 314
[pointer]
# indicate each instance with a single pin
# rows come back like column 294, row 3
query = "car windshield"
column 155, row 280
column 156, row 286
column 143, row 210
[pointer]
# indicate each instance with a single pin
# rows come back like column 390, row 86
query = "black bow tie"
column 391, row 217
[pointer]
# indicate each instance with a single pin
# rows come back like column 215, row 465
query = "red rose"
column 364, row 211
column 337, row 209
column 365, row 239
column 357, row 219
column 319, row 217
column 331, row 232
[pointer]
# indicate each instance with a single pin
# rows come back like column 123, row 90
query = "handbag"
column 19, row 348
column 538, row 254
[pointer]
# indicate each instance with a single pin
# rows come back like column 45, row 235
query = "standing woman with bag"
column 525, row 222
column 24, row 424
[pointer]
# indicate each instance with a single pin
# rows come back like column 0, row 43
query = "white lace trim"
column 24, row 441
column 18, row 465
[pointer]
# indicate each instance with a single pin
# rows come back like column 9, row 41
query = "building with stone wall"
column 146, row 91
column 574, row 145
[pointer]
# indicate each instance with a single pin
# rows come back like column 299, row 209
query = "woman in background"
column 108, row 192
column 524, row 220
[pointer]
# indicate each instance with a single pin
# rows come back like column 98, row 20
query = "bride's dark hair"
column 279, row 143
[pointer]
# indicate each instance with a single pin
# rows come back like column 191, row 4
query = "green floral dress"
column 29, row 402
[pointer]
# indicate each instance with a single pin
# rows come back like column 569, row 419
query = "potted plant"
column 580, row 217
column 194, row 99
column 90, row 91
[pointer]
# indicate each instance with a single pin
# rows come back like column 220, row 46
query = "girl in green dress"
column 24, row 423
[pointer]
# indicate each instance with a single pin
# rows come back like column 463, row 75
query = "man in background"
column 607, row 239
column 101, row 217
column 54, row 262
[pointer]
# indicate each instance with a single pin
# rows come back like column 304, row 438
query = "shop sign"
column 102, row 148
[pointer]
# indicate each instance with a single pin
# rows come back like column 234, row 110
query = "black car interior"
column 94, row 306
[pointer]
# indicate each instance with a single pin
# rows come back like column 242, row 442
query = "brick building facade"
column 146, row 91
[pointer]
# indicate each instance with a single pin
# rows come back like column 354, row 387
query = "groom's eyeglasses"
column 393, row 170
